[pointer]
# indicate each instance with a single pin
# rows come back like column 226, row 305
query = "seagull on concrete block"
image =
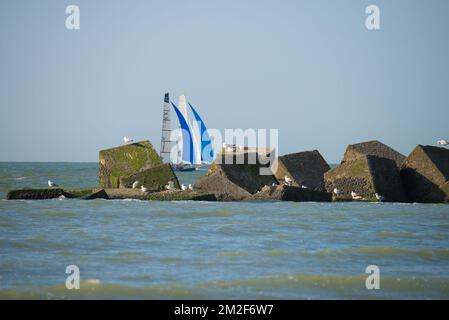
column 443, row 142
column 51, row 184
column 170, row 185
column 355, row 196
column 127, row 140
column 183, row 187
column 379, row 197
column 135, row 184
column 144, row 189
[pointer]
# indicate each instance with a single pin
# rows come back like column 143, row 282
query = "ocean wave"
column 379, row 251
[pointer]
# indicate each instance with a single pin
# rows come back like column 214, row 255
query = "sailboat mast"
column 166, row 131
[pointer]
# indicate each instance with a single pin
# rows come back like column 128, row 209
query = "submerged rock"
column 152, row 178
column 366, row 175
column 372, row 148
column 304, row 168
column 291, row 193
column 425, row 174
column 126, row 160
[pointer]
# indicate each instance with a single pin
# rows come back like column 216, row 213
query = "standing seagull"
column 443, row 142
column 336, row 191
column 379, row 197
column 144, row 190
column 51, row 184
column 127, row 140
column 183, row 187
column 355, row 196
column 190, row 187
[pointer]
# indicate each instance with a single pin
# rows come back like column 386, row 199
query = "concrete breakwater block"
column 366, row 175
column 372, row 148
column 291, row 193
column 222, row 188
column 305, row 168
column 126, row 160
column 34, row 194
column 246, row 175
column 111, row 193
column 153, row 178
column 425, row 174
column 166, row 195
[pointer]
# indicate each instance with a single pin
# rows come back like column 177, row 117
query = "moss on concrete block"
column 152, row 178
column 425, row 174
column 34, row 194
column 126, row 160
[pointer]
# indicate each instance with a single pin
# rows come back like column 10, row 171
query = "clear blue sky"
column 309, row 68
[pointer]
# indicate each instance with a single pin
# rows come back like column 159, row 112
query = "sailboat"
column 194, row 145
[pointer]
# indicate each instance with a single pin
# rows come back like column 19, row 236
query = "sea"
column 129, row 249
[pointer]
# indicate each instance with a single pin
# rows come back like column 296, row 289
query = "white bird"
column 288, row 180
column 443, row 142
column 135, row 184
column 183, row 187
column 51, row 184
column 170, row 185
column 304, row 187
column 190, row 187
column 127, row 140
column 355, row 196
column 336, row 191
column 144, row 189
column 379, row 197
column 273, row 184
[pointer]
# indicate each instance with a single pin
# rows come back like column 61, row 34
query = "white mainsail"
column 166, row 131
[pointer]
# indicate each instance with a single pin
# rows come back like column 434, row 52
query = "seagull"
column 170, row 185
column 443, row 142
column 127, row 140
column 135, row 184
column 183, row 187
column 379, row 197
column 144, row 190
column 288, row 180
column 304, row 187
column 336, row 191
column 190, row 187
column 52, row 184
column 273, row 184
column 355, row 196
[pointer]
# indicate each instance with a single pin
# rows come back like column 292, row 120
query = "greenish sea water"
column 211, row 250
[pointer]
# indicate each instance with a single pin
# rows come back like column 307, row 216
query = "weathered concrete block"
column 291, row 193
column 34, row 194
column 222, row 188
column 168, row 195
column 305, row 168
column 152, row 178
column 425, row 174
column 372, row 148
column 126, row 160
column 247, row 176
column 366, row 175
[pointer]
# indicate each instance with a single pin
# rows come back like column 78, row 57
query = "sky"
column 310, row 69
